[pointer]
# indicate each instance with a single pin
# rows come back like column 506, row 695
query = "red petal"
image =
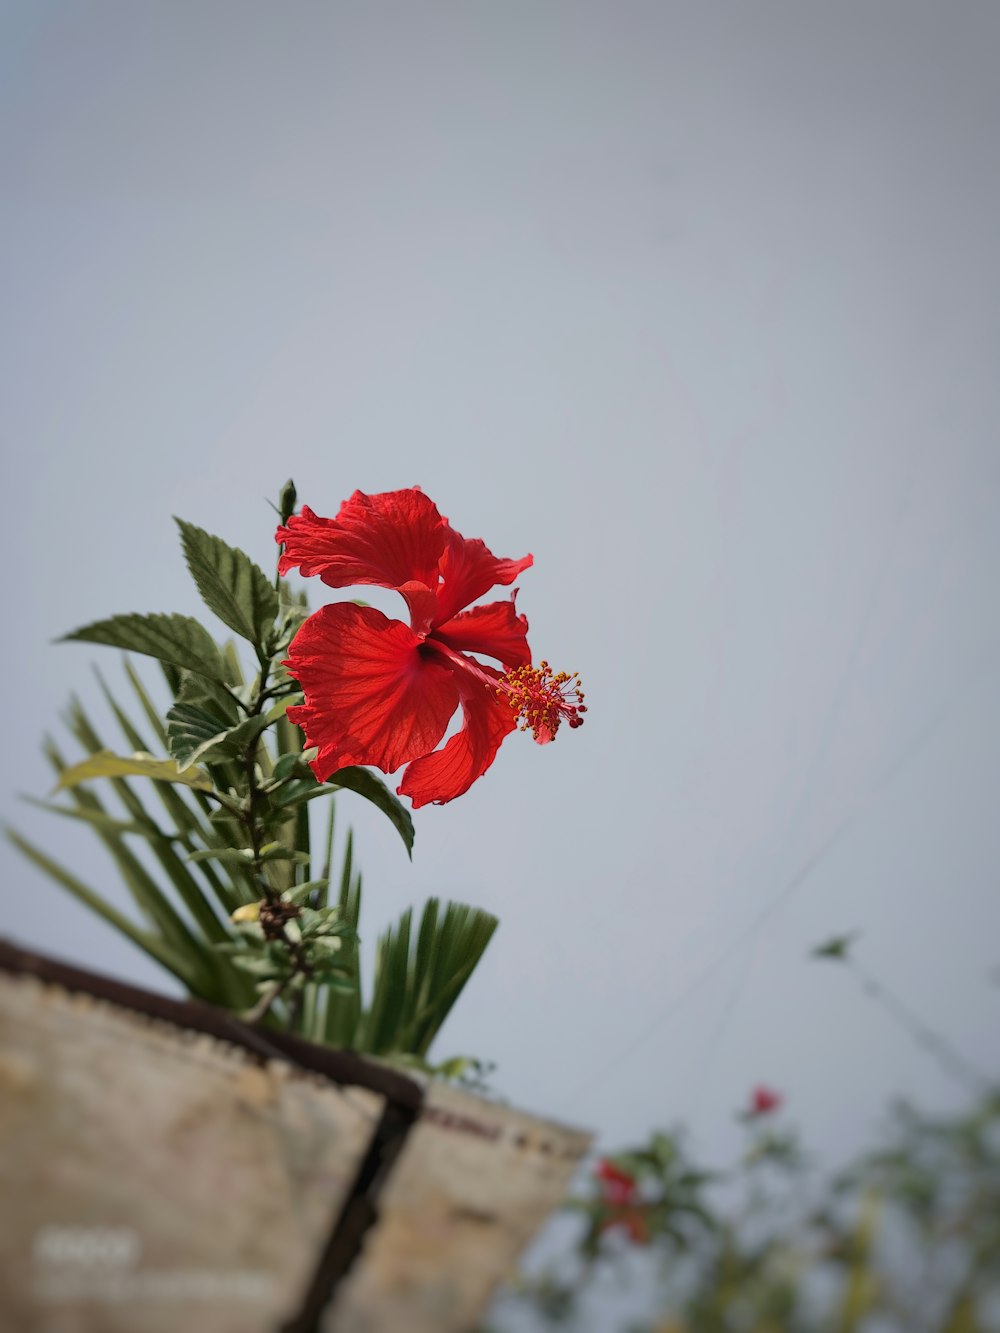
column 494, row 629
column 389, row 539
column 371, row 695
column 450, row 771
column 469, row 569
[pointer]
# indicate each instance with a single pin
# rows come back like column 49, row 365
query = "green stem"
column 262, row 1006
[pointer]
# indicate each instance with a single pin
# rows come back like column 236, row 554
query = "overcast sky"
column 696, row 302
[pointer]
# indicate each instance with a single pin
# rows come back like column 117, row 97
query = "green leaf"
column 200, row 712
column 302, row 893
column 364, row 782
column 144, row 888
column 174, row 639
column 326, row 944
column 275, row 851
column 231, row 585
column 187, row 817
column 97, row 818
column 284, row 767
column 260, row 967
column 151, row 944
column 228, row 744
column 342, row 984
column 415, row 987
column 230, row 855
column 293, row 793
column 107, row 764
column 189, row 728
column 343, row 1012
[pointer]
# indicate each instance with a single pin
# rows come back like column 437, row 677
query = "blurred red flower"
column 617, row 1186
column 381, row 692
column 764, row 1100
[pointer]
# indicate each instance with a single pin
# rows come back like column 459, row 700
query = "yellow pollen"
column 542, row 699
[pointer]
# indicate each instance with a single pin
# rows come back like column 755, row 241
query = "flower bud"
column 248, row 912
column 287, row 500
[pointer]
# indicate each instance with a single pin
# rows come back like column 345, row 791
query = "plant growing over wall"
column 246, row 906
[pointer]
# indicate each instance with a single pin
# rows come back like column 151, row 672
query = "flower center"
column 542, row 699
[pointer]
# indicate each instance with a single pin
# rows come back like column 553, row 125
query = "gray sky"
column 696, row 302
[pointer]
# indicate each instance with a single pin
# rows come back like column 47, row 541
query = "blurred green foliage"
column 905, row 1240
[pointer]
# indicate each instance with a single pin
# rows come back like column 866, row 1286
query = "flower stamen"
column 543, row 698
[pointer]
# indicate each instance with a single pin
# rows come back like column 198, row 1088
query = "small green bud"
column 287, row 500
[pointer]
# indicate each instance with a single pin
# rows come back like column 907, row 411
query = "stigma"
column 542, row 699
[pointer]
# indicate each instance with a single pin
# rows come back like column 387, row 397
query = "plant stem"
column 250, row 822
column 262, row 1006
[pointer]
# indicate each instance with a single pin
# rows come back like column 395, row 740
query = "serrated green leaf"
column 177, row 640
column 231, row 585
column 107, row 764
column 190, row 726
column 229, row 744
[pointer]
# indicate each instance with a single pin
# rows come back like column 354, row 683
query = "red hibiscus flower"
column 764, row 1100
column 617, row 1186
column 382, row 692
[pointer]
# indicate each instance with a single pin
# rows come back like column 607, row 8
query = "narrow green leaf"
column 187, row 820
column 231, row 585
column 148, row 707
column 156, row 948
column 234, row 855
column 302, row 893
column 107, row 764
column 415, row 988
column 343, row 1010
column 144, row 888
column 389, row 1000
column 146, row 893
column 97, row 818
column 177, row 640
column 275, row 851
column 260, row 967
column 298, row 791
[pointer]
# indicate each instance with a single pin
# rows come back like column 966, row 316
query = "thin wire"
column 954, row 1064
column 807, row 790
column 715, row 1041
column 797, row 880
